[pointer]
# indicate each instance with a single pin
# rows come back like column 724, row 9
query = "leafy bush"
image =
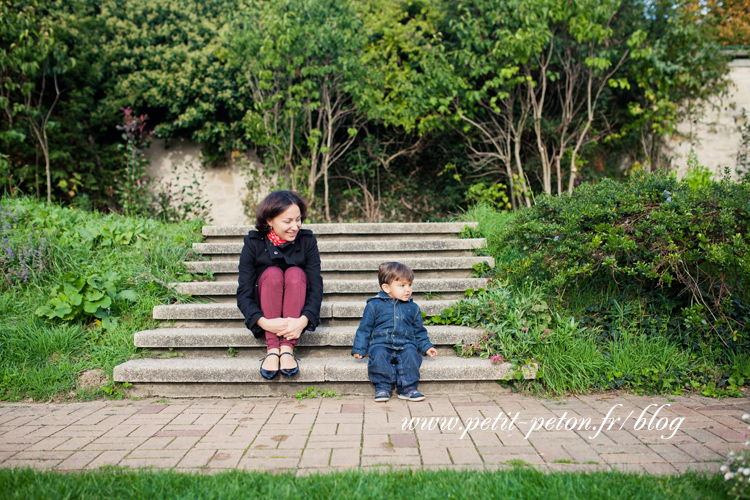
column 78, row 297
column 685, row 249
column 92, row 271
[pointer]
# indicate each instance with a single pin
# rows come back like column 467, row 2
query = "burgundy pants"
column 282, row 295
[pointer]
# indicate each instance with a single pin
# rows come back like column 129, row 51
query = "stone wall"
column 225, row 186
column 717, row 138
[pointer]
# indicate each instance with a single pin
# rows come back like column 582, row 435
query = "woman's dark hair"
column 276, row 204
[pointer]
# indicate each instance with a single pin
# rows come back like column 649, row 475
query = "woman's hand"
column 276, row 325
column 294, row 328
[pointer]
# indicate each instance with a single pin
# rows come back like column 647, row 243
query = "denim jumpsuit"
column 392, row 335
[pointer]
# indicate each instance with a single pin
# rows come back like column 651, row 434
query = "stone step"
column 342, row 290
column 230, row 311
column 362, row 231
column 362, row 249
column 222, row 338
column 312, row 370
column 423, row 267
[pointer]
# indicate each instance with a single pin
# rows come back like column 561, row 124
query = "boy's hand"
column 432, row 352
column 358, row 356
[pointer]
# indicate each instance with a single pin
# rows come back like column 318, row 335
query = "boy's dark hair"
column 276, row 204
column 388, row 272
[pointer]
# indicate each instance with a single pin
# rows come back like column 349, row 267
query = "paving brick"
column 403, row 441
column 34, row 464
column 507, row 454
column 226, row 459
column 671, row 453
column 225, row 443
column 49, row 443
column 270, row 465
column 183, row 443
column 350, row 429
column 120, row 431
column 436, row 456
column 196, row 458
column 316, row 457
column 628, row 467
column 464, row 455
column 320, row 429
column 13, row 447
column 711, row 467
column 157, row 463
column 42, row 455
column 344, row 457
column 699, row 452
column 724, row 448
column 155, row 443
column 107, row 458
column 146, row 431
column 390, row 451
column 76, row 443
column 370, row 460
column 79, row 460
column 552, row 453
column 114, row 444
column 582, row 453
column 185, row 419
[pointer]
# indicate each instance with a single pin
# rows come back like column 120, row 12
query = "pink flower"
column 489, row 280
column 493, row 308
column 524, row 329
column 496, row 359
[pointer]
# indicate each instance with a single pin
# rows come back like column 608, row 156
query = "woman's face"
column 287, row 224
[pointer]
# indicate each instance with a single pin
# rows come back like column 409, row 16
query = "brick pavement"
column 478, row 431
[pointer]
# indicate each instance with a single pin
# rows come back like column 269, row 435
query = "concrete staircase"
column 204, row 349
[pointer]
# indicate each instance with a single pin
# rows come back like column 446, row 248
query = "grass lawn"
column 516, row 483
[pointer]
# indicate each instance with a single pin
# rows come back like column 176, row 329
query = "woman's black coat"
column 259, row 254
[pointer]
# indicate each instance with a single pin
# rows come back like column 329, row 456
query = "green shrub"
column 685, row 249
column 93, row 287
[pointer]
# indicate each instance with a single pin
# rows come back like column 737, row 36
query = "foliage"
column 78, row 297
column 361, row 117
column 686, row 248
column 737, row 470
column 679, row 69
column 132, row 188
column 22, row 255
column 493, row 195
column 312, row 392
column 743, row 153
column 90, row 262
column 729, row 19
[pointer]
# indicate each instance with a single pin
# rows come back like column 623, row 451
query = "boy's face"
column 398, row 289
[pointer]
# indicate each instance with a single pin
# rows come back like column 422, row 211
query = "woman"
column 280, row 288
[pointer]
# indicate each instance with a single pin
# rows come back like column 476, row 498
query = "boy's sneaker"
column 412, row 396
column 382, row 396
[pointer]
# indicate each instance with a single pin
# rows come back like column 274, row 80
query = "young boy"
column 391, row 333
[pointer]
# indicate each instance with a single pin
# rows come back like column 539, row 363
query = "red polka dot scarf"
column 275, row 238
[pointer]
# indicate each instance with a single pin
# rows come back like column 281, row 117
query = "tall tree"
column 30, row 63
column 301, row 59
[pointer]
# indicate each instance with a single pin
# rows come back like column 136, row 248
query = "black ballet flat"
column 291, row 372
column 269, row 374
